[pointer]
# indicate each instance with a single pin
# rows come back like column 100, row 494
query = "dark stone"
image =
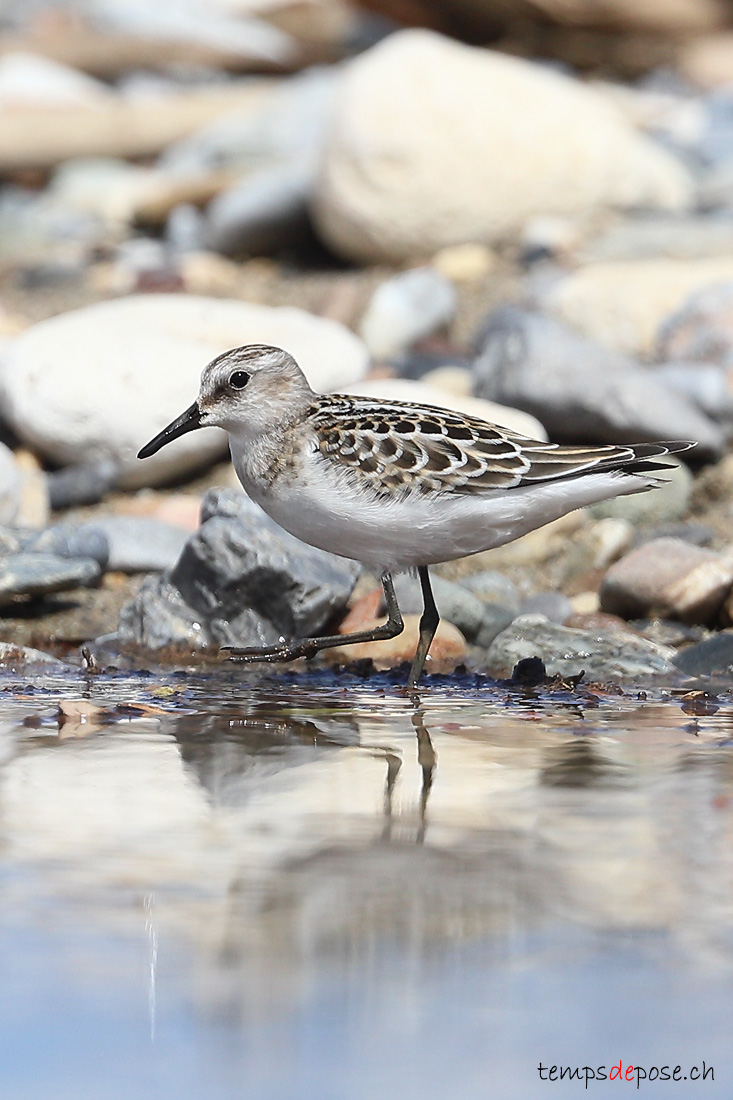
column 240, row 580
column 713, row 657
column 553, row 605
column 30, row 574
column 72, row 540
column 75, row 485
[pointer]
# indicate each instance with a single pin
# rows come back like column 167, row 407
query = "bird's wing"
column 397, row 445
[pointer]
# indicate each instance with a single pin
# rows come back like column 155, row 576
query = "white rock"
column 405, row 308
column 9, row 485
column 623, row 303
column 434, row 143
column 28, row 79
column 403, row 389
column 99, row 382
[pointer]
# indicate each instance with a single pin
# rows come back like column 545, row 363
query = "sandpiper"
column 392, row 484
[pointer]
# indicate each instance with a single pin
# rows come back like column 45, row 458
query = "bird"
column 395, row 485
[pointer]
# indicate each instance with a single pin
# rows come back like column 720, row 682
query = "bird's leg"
column 308, row 647
column 428, row 625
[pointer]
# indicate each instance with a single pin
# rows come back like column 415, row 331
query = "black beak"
column 186, row 422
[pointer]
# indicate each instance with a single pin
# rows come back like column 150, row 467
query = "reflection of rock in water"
column 222, row 749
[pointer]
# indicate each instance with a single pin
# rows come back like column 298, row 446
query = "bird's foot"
column 283, row 651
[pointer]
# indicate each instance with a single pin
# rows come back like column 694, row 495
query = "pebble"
column 701, row 330
column 34, row 507
column 74, row 540
column 465, row 263
column 410, row 163
column 712, row 657
column 554, row 606
column 137, row 544
column 240, row 580
column 454, row 602
column 145, row 354
column 604, row 654
column 406, row 389
column 31, row 574
column 405, row 308
column 579, row 389
column 448, row 645
column 670, row 578
column 623, row 304
column 9, row 485
column 652, row 236
column 22, row 659
column 84, row 484
column 264, row 212
column 492, row 587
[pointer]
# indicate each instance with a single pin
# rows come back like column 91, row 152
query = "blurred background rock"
column 523, row 210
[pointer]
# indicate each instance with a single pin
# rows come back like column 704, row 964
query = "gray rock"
column 405, row 308
column 553, row 605
column 455, row 603
column 140, row 545
column 699, row 534
column 72, row 540
column 667, row 503
column 493, row 587
column 240, row 580
column 580, row 390
column 713, row 657
column 715, row 189
column 29, row 574
column 11, row 541
column 289, row 128
column 497, row 617
column 701, row 330
column 603, row 654
column 704, row 383
column 75, row 485
column 265, row 211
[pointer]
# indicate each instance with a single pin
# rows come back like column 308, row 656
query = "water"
column 308, row 887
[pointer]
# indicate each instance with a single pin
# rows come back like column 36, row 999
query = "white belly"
column 333, row 514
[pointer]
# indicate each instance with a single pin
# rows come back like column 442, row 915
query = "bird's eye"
column 239, row 379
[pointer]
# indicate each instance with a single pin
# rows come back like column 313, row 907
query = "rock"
column 43, row 135
column 699, row 534
column 492, row 587
column 448, row 645
column 623, row 304
column 9, row 485
column 704, row 383
column 85, row 484
column 145, row 355
column 404, row 309
column 649, row 237
column 411, row 164
column 669, row 502
column 581, row 391
column 240, row 580
column 701, row 330
column 713, row 657
column 707, row 60
column 670, row 578
column 262, row 213
column 140, row 545
column 457, row 381
column 715, row 188
column 73, row 540
column 553, row 606
column 29, row 574
column 603, row 654
column 33, row 506
column 28, row 80
column 404, row 389
column 454, row 602
column 465, row 263
column 497, row 617
column 22, row 659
